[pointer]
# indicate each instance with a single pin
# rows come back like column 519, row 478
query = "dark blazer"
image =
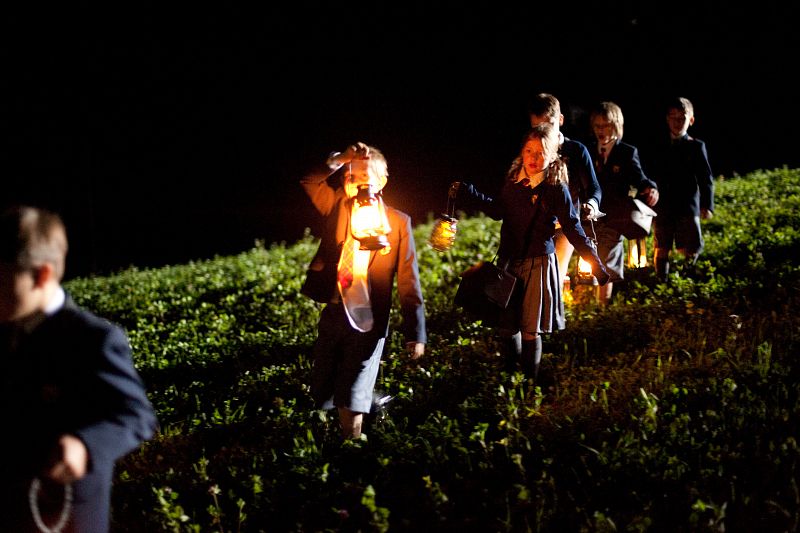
column 621, row 172
column 583, row 184
column 70, row 372
column 684, row 178
column 529, row 220
column 400, row 260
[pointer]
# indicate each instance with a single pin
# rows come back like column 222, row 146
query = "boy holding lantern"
column 353, row 274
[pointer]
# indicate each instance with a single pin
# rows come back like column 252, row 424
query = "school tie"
column 354, row 285
column 346, row 261
column 601, row 161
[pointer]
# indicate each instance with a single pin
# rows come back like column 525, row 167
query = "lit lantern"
column 637, row 253
column 443, row 234
column 584, row 275
column 368, row 222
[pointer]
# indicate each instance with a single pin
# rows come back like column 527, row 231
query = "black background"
column 170, row 133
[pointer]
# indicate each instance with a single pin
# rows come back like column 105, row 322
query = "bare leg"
column 563, row 253
column 350, row 422
column 604, row 293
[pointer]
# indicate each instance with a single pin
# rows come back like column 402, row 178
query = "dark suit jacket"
column 683, row 174
column 70, row 372
column 621, row 172
column 583, row 184
column 401, row 259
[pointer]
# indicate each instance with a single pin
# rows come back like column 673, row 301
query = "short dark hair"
column 544, row 104
column 681, row 104
column 31, row 236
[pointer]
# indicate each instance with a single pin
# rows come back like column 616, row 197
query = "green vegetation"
column 675, row 409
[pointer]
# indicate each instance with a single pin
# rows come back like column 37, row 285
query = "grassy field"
column 674, row 409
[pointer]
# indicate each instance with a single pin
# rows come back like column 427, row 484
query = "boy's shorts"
column 682, row 231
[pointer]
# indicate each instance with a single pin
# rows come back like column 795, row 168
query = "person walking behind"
column 683, row 174
column 619, row 172
column 583, row 186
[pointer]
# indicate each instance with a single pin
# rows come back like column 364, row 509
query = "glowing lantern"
column 443, row 234
column 637, row 253
column 368, row 222
column 584, row 275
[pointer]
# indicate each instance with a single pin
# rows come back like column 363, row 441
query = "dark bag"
column 485, row 290
column 633, row 219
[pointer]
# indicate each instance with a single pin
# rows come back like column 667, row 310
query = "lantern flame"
column 368, row 221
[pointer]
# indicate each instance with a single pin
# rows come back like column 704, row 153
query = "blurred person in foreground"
column 356, row 284
column 72, row 402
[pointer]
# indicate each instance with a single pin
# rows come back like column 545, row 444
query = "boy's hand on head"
column 358, row 150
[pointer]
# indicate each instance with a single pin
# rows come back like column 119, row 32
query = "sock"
column 531, row 357
column 512, row 349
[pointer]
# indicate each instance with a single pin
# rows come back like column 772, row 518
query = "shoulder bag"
column 486, row 288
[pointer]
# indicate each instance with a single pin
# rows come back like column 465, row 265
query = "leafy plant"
column 675, row 408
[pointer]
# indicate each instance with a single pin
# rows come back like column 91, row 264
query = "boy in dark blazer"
column 354, row 323
column 71, row 401
column 583, row 185
column 619, row 172
column 683, row 174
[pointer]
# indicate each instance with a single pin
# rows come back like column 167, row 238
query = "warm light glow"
column 443, row 234
column 584, row 267
column 566, row 292
column 637, row 253
column 368, row 221
column 584, row 275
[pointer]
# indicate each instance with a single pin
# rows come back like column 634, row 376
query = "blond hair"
column 611, row 112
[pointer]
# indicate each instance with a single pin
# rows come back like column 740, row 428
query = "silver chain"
column 33, row 501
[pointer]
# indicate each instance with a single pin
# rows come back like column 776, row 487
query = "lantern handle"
column 594, row 234
column 451, row 199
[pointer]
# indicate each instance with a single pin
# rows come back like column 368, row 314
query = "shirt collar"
column 56, row 302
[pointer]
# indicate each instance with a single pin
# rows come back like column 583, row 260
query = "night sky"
column 164, row 135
